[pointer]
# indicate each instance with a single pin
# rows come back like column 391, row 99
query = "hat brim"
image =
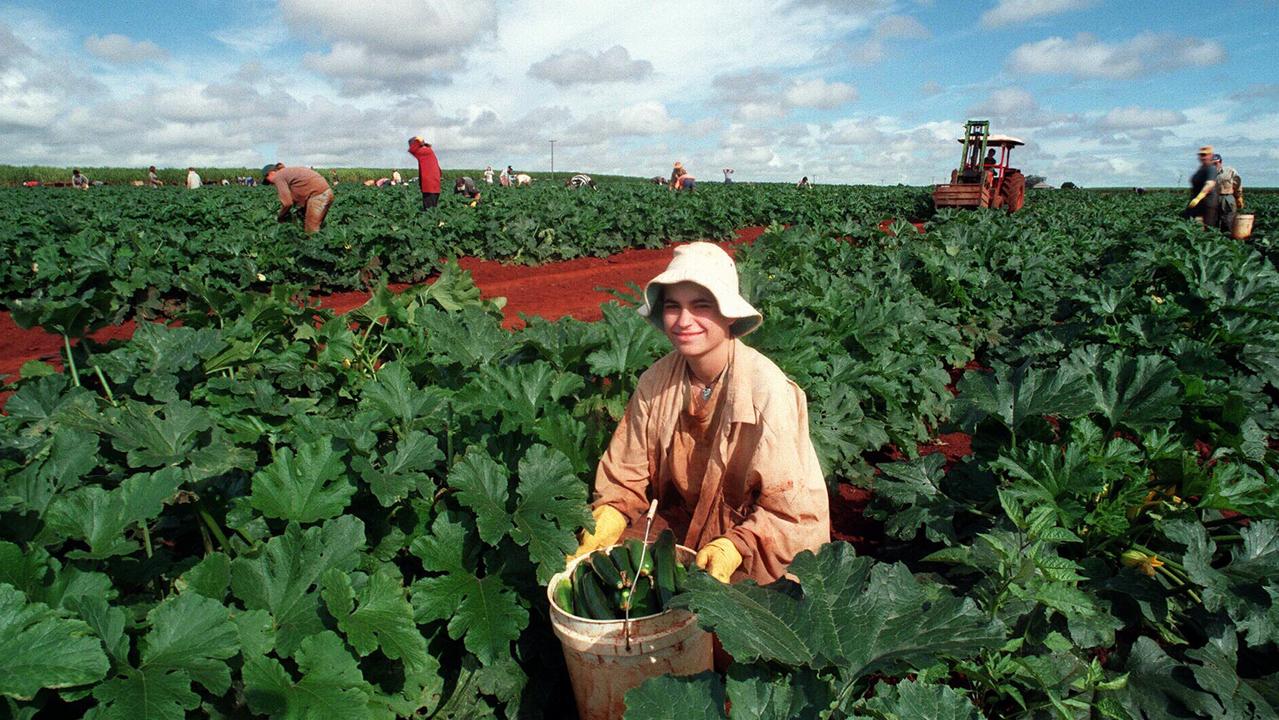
column 746, row 319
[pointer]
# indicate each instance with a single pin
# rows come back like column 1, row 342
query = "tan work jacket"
column 763, row 488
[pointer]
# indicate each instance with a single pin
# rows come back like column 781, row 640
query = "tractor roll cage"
column 972, row 165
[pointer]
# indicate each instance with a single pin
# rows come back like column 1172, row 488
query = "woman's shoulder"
column 768, row 383
column 658, row 374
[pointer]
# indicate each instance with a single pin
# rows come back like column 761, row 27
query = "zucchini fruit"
column 605, row 584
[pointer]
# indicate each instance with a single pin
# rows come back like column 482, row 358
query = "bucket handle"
column 626, row 611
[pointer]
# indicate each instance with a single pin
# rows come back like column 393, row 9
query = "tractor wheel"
column 1014, row 192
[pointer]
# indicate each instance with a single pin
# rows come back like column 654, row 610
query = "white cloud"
column 854, row 132
column 865, row 53
column 402, row 42
column 903, row 27
column 252, row 39
column 640, row 119
column 574, row 67
column 1013, row 110
column 747, row 86
column 843, row 6
column 1008, row 102
column 117, row 48
column 1085, row 56
column 361, row 69
column 1011, row 12
column 872, row 49
column 931, row 88
column 819, row 94
column 758, row 95
column 1139, row 118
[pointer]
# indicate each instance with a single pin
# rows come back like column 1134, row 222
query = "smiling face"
column 692, row 319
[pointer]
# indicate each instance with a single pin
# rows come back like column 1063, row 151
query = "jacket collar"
column 739, row 397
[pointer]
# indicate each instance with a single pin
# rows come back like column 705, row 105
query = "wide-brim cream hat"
column 704, row 264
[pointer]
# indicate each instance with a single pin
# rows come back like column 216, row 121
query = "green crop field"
column 1067, row 421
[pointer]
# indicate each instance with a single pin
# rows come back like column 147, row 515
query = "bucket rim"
column 568, row 572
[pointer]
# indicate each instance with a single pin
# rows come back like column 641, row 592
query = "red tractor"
column 983, row 178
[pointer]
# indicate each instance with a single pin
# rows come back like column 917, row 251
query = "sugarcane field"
column 769, row 360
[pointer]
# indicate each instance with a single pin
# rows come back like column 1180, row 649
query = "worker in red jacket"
column 428, row 171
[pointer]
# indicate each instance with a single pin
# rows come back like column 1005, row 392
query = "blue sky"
column 861, row 91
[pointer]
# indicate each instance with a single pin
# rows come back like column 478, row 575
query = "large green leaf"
column 1158, row 688
column 69, row 456
column 552, row 507
column 378, row 615
column 1016, row 395
column 847, row 612
column 484, row 612
column 630, row 343
column 909, row 700
column 331, row 684
column 281, row 577
column 760, row 691
column 470, row 337
column 914, row 489
column 157, row 435
column 306, row 487
column 47, row 403
column 393, row 395
column 1135, row 393
column 402, row 470
column 100, row 517
column 482, row 485
column 190, row 639
column 520, row 394
column 138, row 695
column 1247, row 588
column 700, row 697
column 42, row 649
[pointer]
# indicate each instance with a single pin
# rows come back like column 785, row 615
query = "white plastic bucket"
column 602, row 668
column 1242, row 229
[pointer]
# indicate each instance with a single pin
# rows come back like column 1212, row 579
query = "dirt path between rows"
column 573, row 287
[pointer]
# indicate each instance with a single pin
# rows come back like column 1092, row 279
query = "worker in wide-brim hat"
column 715, row 432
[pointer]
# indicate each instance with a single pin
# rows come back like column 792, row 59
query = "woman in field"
column 715, row 432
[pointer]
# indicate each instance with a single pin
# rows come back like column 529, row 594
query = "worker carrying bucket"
column 715, row 432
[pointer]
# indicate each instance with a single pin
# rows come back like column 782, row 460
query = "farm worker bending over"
column 466, row 186
column 428, row 171
column 680, row 179
column 78, row 180
column 193, row 179
column 579, row 181
column 301, row 188
column 715, row 432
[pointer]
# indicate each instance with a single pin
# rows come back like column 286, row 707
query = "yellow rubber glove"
column 609, row 526
column 719, row 558
column 1195, row 200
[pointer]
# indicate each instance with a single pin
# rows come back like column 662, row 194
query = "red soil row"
column 574, row 287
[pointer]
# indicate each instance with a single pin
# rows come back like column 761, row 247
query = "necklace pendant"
column 706, row 393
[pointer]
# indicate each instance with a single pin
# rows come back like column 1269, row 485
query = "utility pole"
column 553, row 161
